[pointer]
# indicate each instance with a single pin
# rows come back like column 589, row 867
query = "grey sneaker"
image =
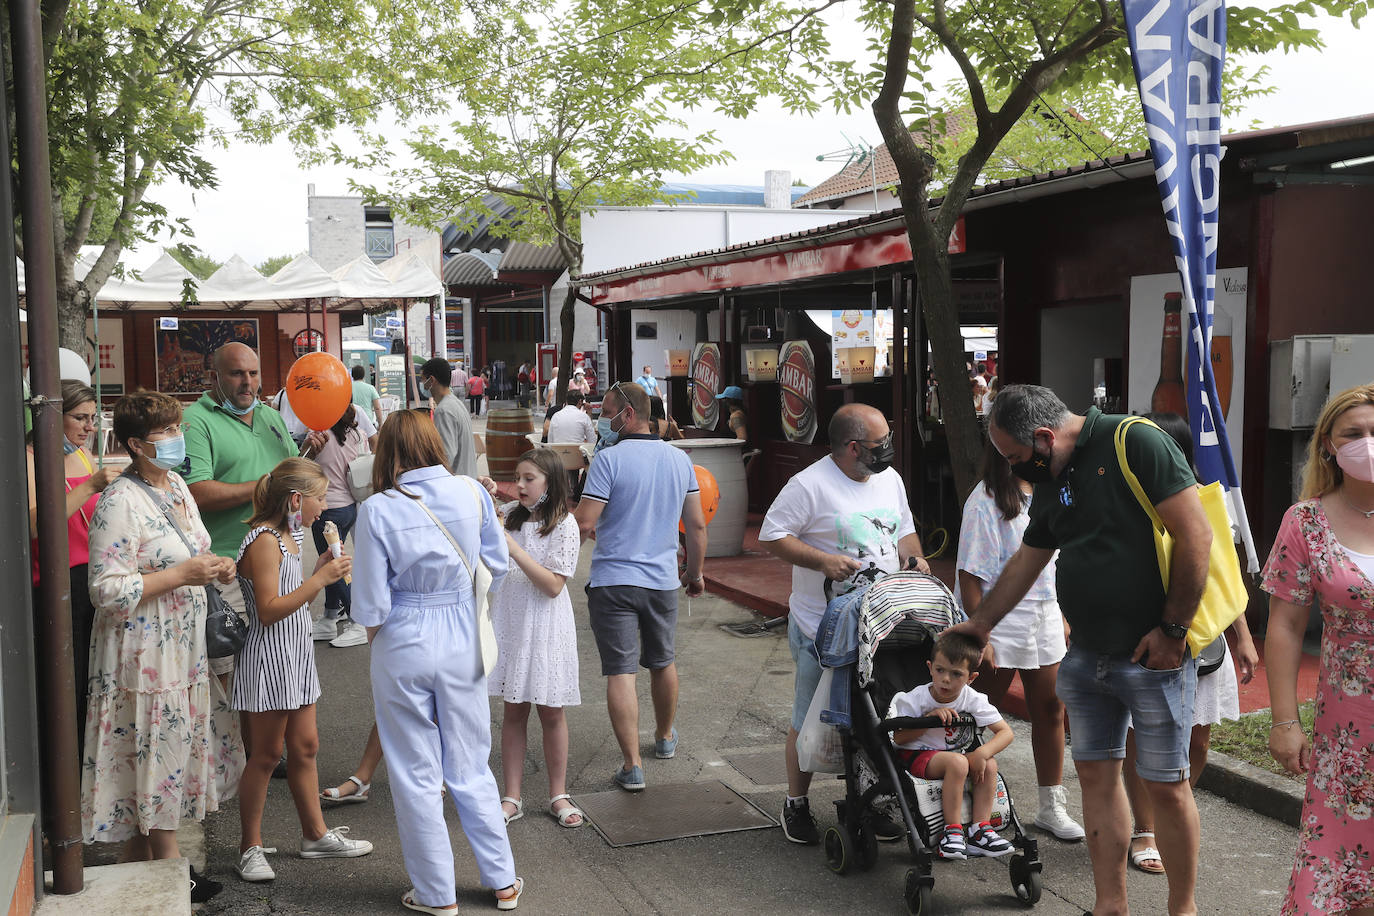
column 324, row 629
column 252, row 866
column 664, row 749
column 350, row 634
column 631, row 780
column 335, row 844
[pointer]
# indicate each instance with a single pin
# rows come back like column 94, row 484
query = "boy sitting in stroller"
column 942, row 752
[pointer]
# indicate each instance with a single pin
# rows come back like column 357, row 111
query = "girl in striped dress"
column 275, row 684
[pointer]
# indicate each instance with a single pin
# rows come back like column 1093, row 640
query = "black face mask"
column 880, row 458
column 1036, row 470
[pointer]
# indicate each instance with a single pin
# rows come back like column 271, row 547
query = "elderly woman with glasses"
column 161, row 744
column 84, row 483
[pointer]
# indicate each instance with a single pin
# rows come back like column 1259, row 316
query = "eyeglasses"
column 173, row 430
column 85, row 419
column 884, row 442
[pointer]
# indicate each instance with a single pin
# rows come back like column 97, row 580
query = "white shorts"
column 1030, row 637
column 233, row 596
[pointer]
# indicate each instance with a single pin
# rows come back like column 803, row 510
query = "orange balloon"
column 319, row 389
column 710, row 495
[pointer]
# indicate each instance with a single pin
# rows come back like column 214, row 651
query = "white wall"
column 1071, row 337
column 336, row 230
column 615, row 237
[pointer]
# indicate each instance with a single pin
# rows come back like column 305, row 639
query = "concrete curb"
column 1258, row 790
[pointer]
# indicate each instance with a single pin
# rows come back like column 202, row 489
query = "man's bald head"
column 236, row 374
column 854, row 430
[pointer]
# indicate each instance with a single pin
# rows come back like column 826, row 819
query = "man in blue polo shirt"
column 635, row 493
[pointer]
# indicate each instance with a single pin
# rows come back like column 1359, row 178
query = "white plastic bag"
column 819, row 746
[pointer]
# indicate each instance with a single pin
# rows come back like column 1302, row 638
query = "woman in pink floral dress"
column 1325, row 548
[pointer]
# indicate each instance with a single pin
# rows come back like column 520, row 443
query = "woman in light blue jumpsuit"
column 414, row 595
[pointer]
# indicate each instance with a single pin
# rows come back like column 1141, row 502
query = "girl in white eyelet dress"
column 535, row 631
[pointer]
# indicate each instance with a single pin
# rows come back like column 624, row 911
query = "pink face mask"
column 1356, row 458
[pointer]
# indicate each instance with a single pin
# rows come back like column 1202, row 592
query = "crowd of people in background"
column 217, row 496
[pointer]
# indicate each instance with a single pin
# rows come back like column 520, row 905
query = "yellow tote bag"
column 1224, row 597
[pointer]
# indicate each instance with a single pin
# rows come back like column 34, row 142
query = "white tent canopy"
column 236, row 283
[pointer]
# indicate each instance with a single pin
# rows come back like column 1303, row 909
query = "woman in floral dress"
column 159, row 747
column 1325, row 548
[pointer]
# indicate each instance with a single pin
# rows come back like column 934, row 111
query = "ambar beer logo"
column 797, row 379
column 705, row 385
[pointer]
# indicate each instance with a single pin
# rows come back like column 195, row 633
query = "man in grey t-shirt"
column 450, row 417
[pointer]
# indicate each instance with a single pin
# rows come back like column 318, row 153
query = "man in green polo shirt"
column 231, row 441
column 1128, row 655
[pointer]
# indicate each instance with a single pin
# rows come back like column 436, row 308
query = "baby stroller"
column 897, row 619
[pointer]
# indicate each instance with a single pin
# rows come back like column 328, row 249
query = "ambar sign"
column 705, row 385
column 797, row 379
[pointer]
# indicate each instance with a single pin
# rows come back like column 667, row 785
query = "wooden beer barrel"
column 508, row 430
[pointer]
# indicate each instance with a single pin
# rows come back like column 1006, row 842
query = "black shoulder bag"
column 225, row 631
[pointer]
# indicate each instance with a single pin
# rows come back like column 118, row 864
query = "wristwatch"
column 1174, row 630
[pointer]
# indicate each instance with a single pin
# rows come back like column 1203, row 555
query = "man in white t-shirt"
column 571, row 423
column 844, row 513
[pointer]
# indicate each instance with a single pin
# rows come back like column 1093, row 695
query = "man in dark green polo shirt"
column 1128, row 654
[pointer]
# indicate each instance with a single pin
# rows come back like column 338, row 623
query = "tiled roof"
column 855, row 178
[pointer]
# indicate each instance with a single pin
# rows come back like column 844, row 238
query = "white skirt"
column 1030, row 637
column 1218, row 694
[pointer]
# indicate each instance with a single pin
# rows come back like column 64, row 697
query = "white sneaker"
column 351, row 634
column 1053, row 815
column 324, row 629
column 252, row 866
column 335, row 844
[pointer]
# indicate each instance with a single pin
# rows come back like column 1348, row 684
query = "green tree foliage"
column 273, row 264
column 576, row 109
column 1011, row 55
column 193, row 259
column 131, row 86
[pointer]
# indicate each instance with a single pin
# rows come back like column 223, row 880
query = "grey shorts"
column 633, row 627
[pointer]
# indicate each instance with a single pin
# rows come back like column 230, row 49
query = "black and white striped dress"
column 275, row 669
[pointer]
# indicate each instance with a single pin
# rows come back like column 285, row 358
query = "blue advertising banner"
column 1178, row 49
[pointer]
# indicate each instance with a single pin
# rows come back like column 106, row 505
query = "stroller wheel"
column 917, row 894
column 1025, row 881
column 839, row 850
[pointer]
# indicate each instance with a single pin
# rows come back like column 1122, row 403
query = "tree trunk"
column 73, row 307
column 930, row 254
column 567, row 321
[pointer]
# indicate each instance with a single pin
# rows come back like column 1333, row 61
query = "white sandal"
column 1140, row 856
column 519, row 809
column 409, row 902
column 332, row 794
column 511, row 902
column 568, row 813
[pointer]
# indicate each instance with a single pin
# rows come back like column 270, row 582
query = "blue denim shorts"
column 1099, row 691
column 808, row 672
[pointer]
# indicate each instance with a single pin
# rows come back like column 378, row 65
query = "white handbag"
column 360, row 477
column 481, row 582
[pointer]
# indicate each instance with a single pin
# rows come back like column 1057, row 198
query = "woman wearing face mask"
column 80, row 418
column 160, row 746
column 1326, row 546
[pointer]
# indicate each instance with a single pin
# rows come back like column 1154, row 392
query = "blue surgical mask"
column 424, row 391
column 171, row 453
column 605, row 434
column 234, row 409
column 67, row 447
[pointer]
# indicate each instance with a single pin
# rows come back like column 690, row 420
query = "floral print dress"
column 1334, row 871
column 161, row 742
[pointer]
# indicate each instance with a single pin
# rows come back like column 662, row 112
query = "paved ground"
column 736, row 695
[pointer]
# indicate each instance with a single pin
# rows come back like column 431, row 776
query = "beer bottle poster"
column 705, row 385
column 797, row 383
column 1158, row 359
